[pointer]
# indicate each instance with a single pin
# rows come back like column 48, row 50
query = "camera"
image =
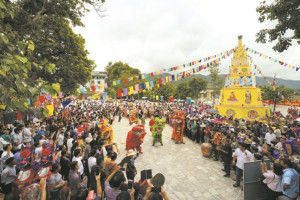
column 155, row 190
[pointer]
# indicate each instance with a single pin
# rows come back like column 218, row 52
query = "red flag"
column 19, row 115
column 93, row 88
column 159, row 81
column 119, row 93
column 125, row 80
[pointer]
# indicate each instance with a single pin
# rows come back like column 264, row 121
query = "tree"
column 268, row 93
column 16, row 63
column 118, row 70
column 166, row 90
column 183, row 90
column 48, row 25
column 286, row 13
column 197, row 85
column 216, row 80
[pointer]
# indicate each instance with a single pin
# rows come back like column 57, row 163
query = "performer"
column 108, row 134
column 178, row 129
column 151, row 122
column 173, row 119
column 158, row 127
column 135, row 138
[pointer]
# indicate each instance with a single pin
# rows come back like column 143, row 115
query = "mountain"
column 259, row 81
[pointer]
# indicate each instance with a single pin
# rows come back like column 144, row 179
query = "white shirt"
column 242, row 158
column 69, row 144
column 60, row 139
column 272, row 180
column 80, row 170
column 269, row 137
column 91, row 162
column 2, row 143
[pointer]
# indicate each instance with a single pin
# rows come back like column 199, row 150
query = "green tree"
column 268, row 93
column 48, row 25
column 183, row 90
column 120, row 71
column 197, row 85
column 286, row 14
column 216, row 80
column 16, row 64
column 166, row 90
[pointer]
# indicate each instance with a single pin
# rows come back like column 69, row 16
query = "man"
column 92, row 159
column 242, row 155
column 277, row 132
column 289, row 182
column 215, row 143
column 227, row 155
column 78, row 157
column 8, row 175
column 26, row 134
column 74, row 179
column 270, row 136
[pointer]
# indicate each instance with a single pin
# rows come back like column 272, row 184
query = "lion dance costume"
column 178, row 128
column 157, row 130
column 135, row 138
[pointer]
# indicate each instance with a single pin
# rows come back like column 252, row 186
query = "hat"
column 88, row 139
column 130, row 152
column 202, row 125
column 158, row 180
column 9, row 160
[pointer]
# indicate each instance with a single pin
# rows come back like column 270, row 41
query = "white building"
column 98, row 77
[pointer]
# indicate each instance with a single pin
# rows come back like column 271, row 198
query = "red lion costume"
column 135, row 138
column 178, row 128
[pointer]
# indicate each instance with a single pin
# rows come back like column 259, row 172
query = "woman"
column 272, row 180
column 56, row 182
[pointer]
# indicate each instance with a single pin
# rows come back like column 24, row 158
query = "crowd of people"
column 72, row 154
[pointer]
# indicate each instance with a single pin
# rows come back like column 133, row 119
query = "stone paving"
column 189, row 175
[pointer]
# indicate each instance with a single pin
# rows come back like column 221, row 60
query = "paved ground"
column 188, row 174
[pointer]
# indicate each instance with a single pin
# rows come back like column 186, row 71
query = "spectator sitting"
column 290, row 181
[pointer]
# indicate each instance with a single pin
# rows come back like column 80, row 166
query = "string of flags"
column 272, row 84
column 272, row 59
column 171, row 69
column 148, row 85
column 209, row 61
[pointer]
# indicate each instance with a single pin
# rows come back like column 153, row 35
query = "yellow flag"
column 147, row 85
column 101, row 86
column 158, row 72
column 167, row 79
column 130, row 92
column 50, row 109
column 54, row 96
column 157, row 98
column 114, row 83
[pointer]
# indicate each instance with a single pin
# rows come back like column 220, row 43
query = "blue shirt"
column 18, row 159
column 290, row 177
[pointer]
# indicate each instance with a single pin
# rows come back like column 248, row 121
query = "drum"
column 206, row 149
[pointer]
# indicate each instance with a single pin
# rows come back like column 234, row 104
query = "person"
column 74, row 179
column 135, row 192
column 56, row 182
column 178, row 129
column 290, row 181
column 65, row 164
column 130, row 168
column 272, row 180
column 92, row 159
column 154, row 195
column 8, row 175
column 77, row 157
column 242, row 155
column 157, row 129
column 113, row 183
column 135, row 138
column 270, row 136
column 227, row 155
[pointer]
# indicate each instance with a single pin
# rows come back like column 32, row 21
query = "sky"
column 156, row 34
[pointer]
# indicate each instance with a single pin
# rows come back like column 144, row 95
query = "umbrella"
column 207, row 102
column 216, row 122
column 212, row 111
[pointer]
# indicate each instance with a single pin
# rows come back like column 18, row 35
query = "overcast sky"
column 157, row 34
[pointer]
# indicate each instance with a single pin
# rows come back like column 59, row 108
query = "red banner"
column 291, row 102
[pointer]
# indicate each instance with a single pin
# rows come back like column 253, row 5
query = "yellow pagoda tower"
column 240, row 97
